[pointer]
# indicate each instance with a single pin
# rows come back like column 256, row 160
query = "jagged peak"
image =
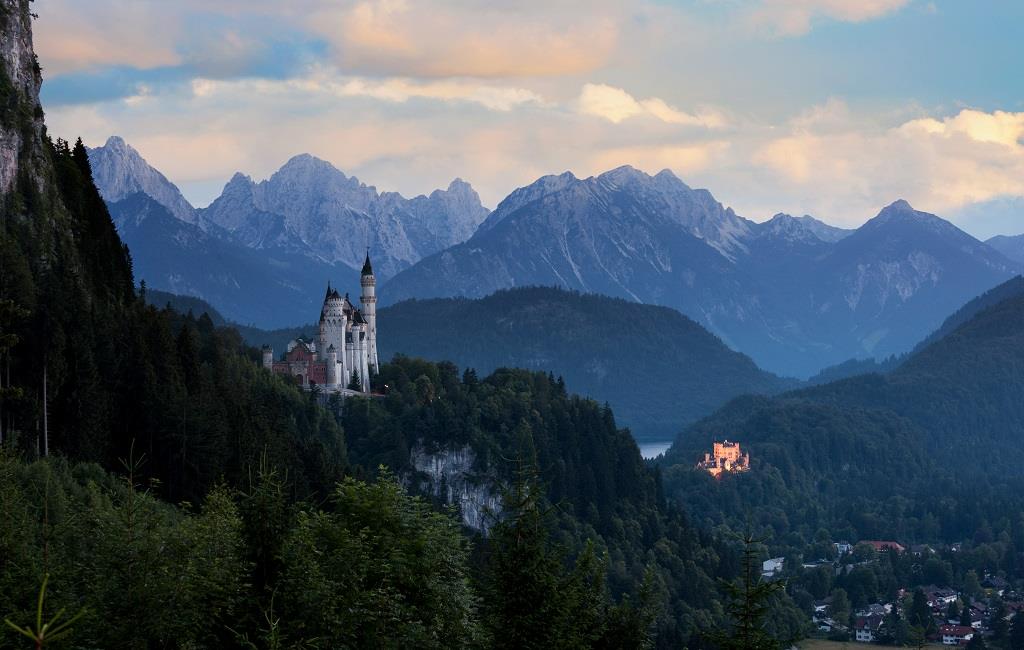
column 623, row 173
column 458, row 184
column 116, row 142
column 899, row 204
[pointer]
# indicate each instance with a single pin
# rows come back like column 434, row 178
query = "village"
column 935, row 607
column 983, row 612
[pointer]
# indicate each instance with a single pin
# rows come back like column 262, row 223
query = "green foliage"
column 749, row 604
column 380, row 569
column 50, row 632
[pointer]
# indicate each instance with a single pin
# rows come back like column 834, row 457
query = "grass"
column 821, row 644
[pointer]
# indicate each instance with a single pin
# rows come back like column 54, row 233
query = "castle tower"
column 332, row 366
column 268, row 357
column 333, row 323
column 369, row 303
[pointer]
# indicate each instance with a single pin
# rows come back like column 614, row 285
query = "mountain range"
column 262, row 251
column 794, row 293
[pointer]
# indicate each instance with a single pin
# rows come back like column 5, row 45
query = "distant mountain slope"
column 1009, row 289
column 119, row 172
column 308, row 220
column 658, row 369
column 1011, row 247
column 310, row 206
column 793, row 293
column 273, row 288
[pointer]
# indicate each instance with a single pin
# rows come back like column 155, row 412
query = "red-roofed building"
column 881, row 545
column 865, row 628
column 956, row 634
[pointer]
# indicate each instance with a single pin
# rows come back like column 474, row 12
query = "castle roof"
column 367, row 267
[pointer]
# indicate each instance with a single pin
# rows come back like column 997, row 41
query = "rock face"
column 795, row 294
column 450, row 475
column 21, row 116
column 309, row 204
column 119, row 171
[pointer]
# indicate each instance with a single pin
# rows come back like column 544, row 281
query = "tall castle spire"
column 369, row 302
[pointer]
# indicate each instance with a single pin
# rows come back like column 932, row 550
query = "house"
column 866, row 628
column 770, row 567
column 939, row 597
column 955, row 634
column 842, row 548
column 874, row 609
column 921, row 550
column 883, row 545
column 996, row 584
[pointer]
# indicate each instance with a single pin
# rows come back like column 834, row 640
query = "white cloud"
column 471, row 38
column 392, row 90
column 616, row 105
column 940, row 165
column 796, row 17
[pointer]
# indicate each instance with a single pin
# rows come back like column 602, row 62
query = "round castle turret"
column 332, row 322
column 369, row 303
column 333, row 370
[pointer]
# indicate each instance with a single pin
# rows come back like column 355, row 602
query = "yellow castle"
column 725, row 457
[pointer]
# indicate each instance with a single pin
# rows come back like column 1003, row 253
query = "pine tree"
column 965, row 615
column 748, row 606
column 953, row 612
column 354, row 383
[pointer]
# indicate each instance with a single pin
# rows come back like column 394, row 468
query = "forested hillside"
column 658, row 369
column 925, row 453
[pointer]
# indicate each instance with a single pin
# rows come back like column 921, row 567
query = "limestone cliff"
column 450, row 475
column 21, row 116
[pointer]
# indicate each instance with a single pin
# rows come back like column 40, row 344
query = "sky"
column 833, row 108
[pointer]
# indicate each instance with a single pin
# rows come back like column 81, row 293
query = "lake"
column 653, row 449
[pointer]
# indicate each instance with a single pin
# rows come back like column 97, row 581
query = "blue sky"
column 829, row 107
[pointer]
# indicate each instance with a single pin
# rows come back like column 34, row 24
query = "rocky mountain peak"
column 120, row 171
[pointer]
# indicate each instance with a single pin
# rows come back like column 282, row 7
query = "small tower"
column 332, row 366
column 268, row 357
column 369, row 303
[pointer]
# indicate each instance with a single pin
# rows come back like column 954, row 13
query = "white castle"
column 344, row 355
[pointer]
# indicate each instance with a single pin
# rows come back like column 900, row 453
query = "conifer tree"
column 354, row 383
column 748, row 605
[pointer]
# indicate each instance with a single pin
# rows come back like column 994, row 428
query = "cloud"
column 999, row 127
column 472, row 38
column 393, row 90
column 616, row 105
column 939, row 164
column 796, row 17
column 72, row 36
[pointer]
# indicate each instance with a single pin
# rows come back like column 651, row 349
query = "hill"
column 924, row 453
column 657, row 368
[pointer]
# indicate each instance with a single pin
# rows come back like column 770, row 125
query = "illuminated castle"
column 344, row 356
column 725, row 457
